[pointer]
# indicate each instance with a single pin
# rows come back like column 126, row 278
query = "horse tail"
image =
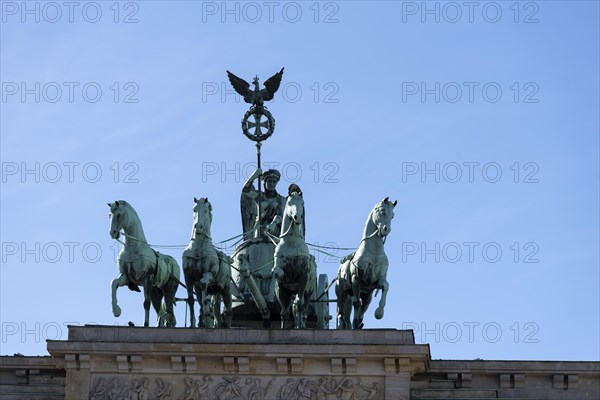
column 343, row 274
column 174, row 270
column 312, row 274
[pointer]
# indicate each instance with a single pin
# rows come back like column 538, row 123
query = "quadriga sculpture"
column 207, row 271
column 140, row 265
column 364, row 271
column 294, row 269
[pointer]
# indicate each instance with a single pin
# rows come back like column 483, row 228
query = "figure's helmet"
column 271, row 173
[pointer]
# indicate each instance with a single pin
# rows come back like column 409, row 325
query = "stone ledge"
column 126, row 334
column 516, row 366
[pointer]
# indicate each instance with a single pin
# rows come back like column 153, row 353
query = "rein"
column 176, row 246
column 274, row 239
column 292, row 223
column 371, row 236
column 130, row 237
column 377, row 230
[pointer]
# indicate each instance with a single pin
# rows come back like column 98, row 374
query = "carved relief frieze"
column 234, row 387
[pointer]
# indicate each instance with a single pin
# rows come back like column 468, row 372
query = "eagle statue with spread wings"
column 258, row 96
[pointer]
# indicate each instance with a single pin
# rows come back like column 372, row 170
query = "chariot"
column 254, row 300
column 271, row 275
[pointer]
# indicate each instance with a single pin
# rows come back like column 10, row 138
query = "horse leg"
column 227, row 304
column 170, row 291
column 156, row 299
column 384, row 285
column 189, row 283
column 147, row 296
column 225, row 293
column 344, row 304
column 346, row 310
column 295, row 311
column 356, row 301
column 365, row 301
column 114, row 285
column 304, row 314
column 302, row 303
column 205, row 305
column 216, row 310
column 198, row 290
column 341, row 303
column 284, row 297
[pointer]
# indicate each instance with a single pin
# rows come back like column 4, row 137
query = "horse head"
column 293, row 214
column 118, row 217
column 294, row 207
column 202, row 216
column 382, row 216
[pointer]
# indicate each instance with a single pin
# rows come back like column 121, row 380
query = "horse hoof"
column 116, row 311
column 379, row 313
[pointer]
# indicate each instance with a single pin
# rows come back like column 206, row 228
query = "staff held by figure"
column 257, row 118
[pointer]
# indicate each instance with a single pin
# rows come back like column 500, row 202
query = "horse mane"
column 209, row 221
column 369, row 220
column 381, row 204
column 132, row 219
column 129, row 208
column 370, row 216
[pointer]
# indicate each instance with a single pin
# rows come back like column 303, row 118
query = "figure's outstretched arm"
column 248, row 188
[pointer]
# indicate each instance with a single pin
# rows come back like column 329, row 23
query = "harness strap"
column 371, row 235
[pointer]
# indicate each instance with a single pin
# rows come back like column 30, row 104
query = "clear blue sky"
column 482, row 122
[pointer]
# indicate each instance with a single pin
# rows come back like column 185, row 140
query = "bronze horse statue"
column 207, row 271
column 294, row 268
column 140, row 265
column 364, row 271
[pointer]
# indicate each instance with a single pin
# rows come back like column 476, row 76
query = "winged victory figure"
column 258, row 96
